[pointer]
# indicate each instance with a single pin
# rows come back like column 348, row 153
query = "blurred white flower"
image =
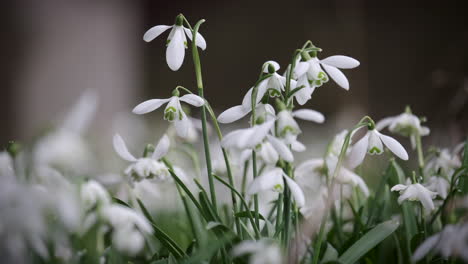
column 439, row 185
column 372, row 143
column 92, row 194
column 173, row 112
column 345, row 175
column 405, row 124
column 247, row 137
column 272, row 179
column 443, row 161
column 415, row 192
column 316, row 76
column 129, row 228
column 145, row 167
column 261, row 251
column 176, row 42
column 65, row 148
column 451, row 241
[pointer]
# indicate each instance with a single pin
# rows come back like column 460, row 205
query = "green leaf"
column 167, row 242
column 246, row 214
column 368, row 242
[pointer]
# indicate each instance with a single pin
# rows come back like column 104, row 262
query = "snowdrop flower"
column 129, row 228
column 372, row 143
column 451, row 241
column 443, row 161
column 415, row 192
column 312, row 69
column 273, row 180
column 237, row 112
column 247, row 137
column 269, row 151
column 345, row 175
column 288, row 129
column 405, row 124
column 92, row 194
column 176, row 42
column 261, row 251
column 65, row 147
column 173, row 112
column 145, row 167
column 439, row 185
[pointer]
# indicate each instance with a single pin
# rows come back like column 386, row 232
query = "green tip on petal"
column 375, row 150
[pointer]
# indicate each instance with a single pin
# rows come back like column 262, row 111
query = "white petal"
column 232, row 138
column 200, row 40
column 233, row 114
column 121, row 149
column 182, row 125
column 297, row 146
column 266, row 181
column 162, row 148
column 255, row 135
column 150, row 105
column 358, row 152
column 340, row 61
column 283, row 150
column 296, row 191
column 425, row 247
column 309, row 115
column 154, row 32
column 82, row 113
column 268, row 153
column 262, row 88
column 375, row 144
column 362, row 185
column 337, row 76
column 193, row 99
column 276, row 66
column 303, row 95
column 175, row 51
column 247, row 100
column 307, row 167
column 301, row 68
column 398, row 187
column 394, row 146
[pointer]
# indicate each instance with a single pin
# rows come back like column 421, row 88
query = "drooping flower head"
column 415, row 192
column 173, row 111
column 176, row 41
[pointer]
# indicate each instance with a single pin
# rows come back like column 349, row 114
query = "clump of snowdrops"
column 241, row 197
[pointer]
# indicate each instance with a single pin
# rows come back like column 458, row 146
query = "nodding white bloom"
column 261, row 252
column 270, row 150
column 372, row 143
column 405, row 124
column 312, row 70
column 439, row 185
column 451, row 241
column 345, row 175
column 415, row 192
column 237, row 112
column 65, row 148
column 273, row 180
column 173, row 112
column 92, row 194
column 288, row 129
column 176, row 42
column 247, row 138
column 129, row 228
column 443, row 161
column 145, row 167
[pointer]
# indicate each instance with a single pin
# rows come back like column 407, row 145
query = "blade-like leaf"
column 245, row 214
column 368, row 242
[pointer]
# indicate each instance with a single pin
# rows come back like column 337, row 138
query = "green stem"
column 278, row 213
column 254, row 169
column 197, row 65
column 420, row 154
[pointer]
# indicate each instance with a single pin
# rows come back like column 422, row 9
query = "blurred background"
column 411, row 54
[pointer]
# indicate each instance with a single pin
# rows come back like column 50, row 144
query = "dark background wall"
column 411, row 54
